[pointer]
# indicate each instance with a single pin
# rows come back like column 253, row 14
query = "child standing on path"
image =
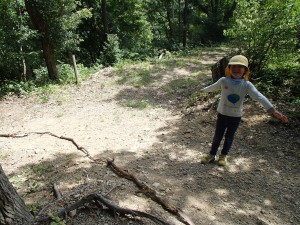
column 234, row 88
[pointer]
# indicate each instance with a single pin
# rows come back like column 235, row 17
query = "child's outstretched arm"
column 213, row 87
column 278, row 115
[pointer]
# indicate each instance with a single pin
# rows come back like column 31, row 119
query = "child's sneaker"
column 208, row 159
column 222, row 161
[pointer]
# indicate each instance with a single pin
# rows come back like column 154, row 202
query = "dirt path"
column 157, row 141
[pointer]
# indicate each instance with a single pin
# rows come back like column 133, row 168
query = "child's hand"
column 280, row 116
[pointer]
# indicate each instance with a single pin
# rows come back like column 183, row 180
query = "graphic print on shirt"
column 233, row 98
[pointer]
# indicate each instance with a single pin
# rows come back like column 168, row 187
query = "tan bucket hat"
column 238, row 60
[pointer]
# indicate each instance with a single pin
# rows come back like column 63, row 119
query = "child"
column 234, row 88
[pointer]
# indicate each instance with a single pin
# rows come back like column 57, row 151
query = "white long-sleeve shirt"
column 233, row 92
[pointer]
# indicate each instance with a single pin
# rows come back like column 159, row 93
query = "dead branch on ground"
column 97, row 198
column 82, row 149
column 145, row 189
column 57, row 192
column 13, row 135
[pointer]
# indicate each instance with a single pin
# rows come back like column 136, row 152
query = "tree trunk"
column 170, row 18
column 48, row 50
column 24, row 69
column 229, row 12
column 185, row 23
column 218, row 69
column 49, row 59
column 13, row 210
column 104, row 19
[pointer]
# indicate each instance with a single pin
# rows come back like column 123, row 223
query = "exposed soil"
column 161, row 144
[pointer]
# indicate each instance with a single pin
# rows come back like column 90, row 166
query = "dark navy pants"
column 227, row 125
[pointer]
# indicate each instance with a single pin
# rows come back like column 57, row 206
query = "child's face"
column 237, row 71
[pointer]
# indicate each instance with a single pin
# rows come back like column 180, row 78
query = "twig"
column 86, row 152
column 71, row 140
column 13, row 135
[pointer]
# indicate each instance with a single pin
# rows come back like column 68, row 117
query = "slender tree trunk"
column 185, row 23
column 13, row 210
column 20, row 27
column 179, row 21
column 104, row 19
column 229, row 12
column 24, row 68
column 170, row 18
column 48, row 50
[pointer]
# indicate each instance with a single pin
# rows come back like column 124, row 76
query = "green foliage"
column 33, row 186
column 16, row 88
column 20, row 45
column 63, row 18
column 266, row 29
column 281, row 81
column 66, row 73
column 267, row 32
column 297, row 102
column 57, row 221
column 129, row 22
column 126, row 20
column 15, row 39
column 165, row 22
column 33, row 208
column 111, row 52
column 42, row 85
column 16, row 181
column 211, row 19
column 86, row 72
column 45, row 91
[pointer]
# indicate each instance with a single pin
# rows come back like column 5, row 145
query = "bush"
column 111, row 53
column 265, row 30
column 17, row 88
column 281, row 82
